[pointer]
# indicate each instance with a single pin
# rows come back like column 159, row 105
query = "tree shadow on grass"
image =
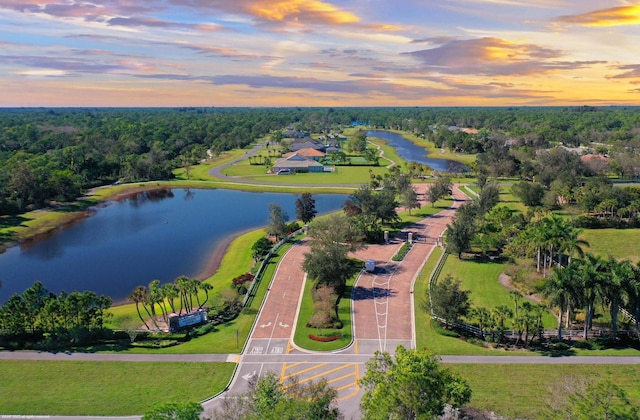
column 557, row 350
column 12, row 221
column 485, row 259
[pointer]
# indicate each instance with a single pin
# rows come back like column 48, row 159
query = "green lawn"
column 105, row 388
column 619, row 243
column 522, row 391
column 511, row 201
column 343, row 175
column 482, row 279
column 426, row 336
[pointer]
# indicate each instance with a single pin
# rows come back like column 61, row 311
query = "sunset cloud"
column 614, row 16
column 494, row 56
column 318, row 52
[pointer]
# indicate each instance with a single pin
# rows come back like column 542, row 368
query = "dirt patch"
column 506, row 282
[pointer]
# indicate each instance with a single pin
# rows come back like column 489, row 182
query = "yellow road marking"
column 353, row 394
column 305, row 370
column 323, row 373
column 347, row 386
column 342, row 377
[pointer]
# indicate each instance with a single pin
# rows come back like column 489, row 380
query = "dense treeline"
column 55, row 154
column 49, row 320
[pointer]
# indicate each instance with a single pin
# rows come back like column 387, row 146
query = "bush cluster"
column 443, row 331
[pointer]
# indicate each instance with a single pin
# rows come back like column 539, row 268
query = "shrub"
column 203, row 329
column 156, row 344
column 443, row 331
column 292, row 227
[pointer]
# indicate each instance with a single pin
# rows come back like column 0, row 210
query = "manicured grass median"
column 105, row 388
column 301, row 337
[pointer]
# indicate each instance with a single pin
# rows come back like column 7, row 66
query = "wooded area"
column 53, row 155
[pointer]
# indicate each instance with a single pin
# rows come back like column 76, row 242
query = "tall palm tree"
column 615, row 292
column 483, row 316
column 634, row 297
column 516, row 296
column 206, row 287
column 170, row 292
column 138, row 296
column 572, row 244
column 591, row 274
column 182, row 284
column 156, row 298
column 194, row 288
column 558, row 289
column 500, row 314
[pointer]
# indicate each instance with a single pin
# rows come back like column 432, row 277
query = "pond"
column 160, row 234
column 411, row 152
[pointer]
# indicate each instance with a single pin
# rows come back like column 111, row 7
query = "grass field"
column 613, row 242
column 343, row 175
column 481, row 277
column 523, row 391
column 105, row 388
column 426, row 336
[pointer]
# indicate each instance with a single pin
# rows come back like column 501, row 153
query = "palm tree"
column 182, row 284
column 516, row 296
column 500, row 314
column 528, row 320
column 483, row 316
column 138, row 296
column 573, row 244
column 614, row 289
column 170, row 292
column 206, row 287
column 591, row 274
column 194, row 287
column 156, row 298
column 558, row 289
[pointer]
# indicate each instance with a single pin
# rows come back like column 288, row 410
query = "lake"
column 411, row 152
column 160, row 234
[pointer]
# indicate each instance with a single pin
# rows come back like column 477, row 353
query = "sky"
column 264, row 53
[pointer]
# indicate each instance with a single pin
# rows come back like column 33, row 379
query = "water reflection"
column 411, row 152
column 147, row 236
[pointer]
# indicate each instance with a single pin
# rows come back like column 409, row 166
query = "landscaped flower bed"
column 324, row 339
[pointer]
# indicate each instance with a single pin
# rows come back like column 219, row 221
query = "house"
column 306, row 143
column 332, row 145
column 308, row 153
column 296, row 162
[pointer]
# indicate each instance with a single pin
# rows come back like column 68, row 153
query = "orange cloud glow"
column 615, row 16
column 314, row 11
